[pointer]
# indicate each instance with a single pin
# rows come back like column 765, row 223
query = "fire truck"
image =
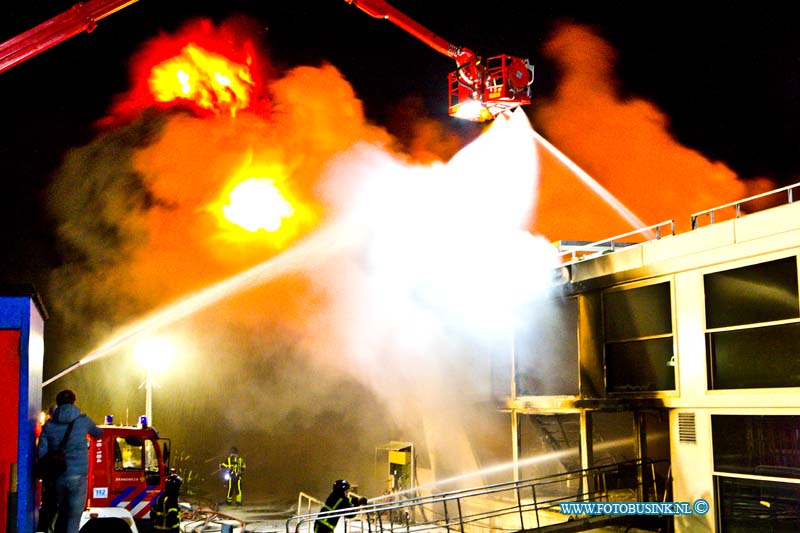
column 127, row 469
column 128, row 466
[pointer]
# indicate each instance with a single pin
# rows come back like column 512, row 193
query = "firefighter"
column 233, row 470
column 165, row 512
column 338, row 500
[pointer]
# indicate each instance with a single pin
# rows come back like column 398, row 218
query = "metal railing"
column 575, row 252
column 510, row 506
column 571, row 252
column 737, row 205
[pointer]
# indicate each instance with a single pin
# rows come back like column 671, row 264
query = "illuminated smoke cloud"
column 623, row 143
column 277, row 368
column 319, row 367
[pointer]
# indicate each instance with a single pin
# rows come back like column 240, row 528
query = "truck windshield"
column 135, row 454
column 127, row 454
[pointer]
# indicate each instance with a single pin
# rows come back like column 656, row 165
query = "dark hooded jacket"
column 337, row 501
column 76, row 448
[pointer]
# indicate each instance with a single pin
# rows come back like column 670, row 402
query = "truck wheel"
column 105, row 525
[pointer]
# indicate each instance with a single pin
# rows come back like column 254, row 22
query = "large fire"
column 257, row 204
column 217, row 74
column 253, row 206
column 207, row 79
column 214, row 70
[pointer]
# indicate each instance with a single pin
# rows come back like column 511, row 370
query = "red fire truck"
column 127, row 469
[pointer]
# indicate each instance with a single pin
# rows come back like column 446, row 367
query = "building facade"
column 682, row 348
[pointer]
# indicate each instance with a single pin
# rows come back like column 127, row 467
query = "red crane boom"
column 478, row 90
column 81, row 17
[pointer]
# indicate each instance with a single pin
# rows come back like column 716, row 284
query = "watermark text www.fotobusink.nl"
column 633, row 508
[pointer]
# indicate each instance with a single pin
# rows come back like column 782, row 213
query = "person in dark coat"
column 338, row 500
column 47, row 506
column 71, row 485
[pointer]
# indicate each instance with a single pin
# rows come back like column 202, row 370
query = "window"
column 766, row 449
column 151, row 473
column 747, row 505
column 753, row 326
column 765, row 292
column 767, row 445
column 546, row 354
column 639, row 353
column 133, row 453
column 128, row 453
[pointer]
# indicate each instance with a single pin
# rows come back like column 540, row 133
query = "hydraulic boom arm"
column 382, row 10
column 478, row 90
column 499, row 84
column 81, row 17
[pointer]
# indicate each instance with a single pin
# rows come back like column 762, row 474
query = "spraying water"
column 320, row 245
column 598, row 189
column 494, row 469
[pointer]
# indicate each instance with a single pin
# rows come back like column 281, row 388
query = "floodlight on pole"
column 154, row 354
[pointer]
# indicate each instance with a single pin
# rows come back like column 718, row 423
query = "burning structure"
column 234, row 180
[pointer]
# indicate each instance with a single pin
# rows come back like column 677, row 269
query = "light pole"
column 154, row 354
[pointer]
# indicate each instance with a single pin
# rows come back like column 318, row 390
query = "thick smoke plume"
column 392, row 339
column 309, row 373
column 623, row 143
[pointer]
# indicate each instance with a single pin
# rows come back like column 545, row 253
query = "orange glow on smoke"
column 209, row 80
column 623, row 143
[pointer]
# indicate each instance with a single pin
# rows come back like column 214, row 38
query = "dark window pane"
column 755, row 358
column 750, row 506
column 635, row 313
column 547, row 354
column 765, row 445
column 640, row 366
column 752, row 294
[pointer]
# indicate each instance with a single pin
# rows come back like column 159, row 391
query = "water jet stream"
column 322, row 244
column 534, row 459
column 318, row 246
column 601, row 191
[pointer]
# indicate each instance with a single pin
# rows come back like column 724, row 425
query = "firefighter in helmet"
column 338, row 500
column 233, row 470
column 165, row 513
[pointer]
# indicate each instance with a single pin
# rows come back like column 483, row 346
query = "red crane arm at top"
column 81, row 17
column 381, row 9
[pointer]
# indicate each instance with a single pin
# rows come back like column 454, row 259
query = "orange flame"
column 209, row 80
column 215, row 70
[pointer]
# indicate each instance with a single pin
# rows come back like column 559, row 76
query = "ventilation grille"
column 686, row 428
